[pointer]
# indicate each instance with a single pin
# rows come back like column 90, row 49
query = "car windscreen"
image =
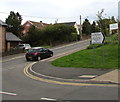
column 34, row 50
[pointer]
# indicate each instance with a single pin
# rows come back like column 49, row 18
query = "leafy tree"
column 34, row 37
column 104, row 23
column 14, row 21
column 112, row 20
column 93, row 27
column 86, row 28
column 58, row 33
column 52, row 34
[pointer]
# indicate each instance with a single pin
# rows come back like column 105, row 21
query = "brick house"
column 28, row 24
column 2, row 36
column 7, row 39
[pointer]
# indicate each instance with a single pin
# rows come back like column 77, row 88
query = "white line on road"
column 87, row 76
column 8, row 93
column 49, row 99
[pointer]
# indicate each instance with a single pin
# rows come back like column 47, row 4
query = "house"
column 12, row 40
column 74, row 24
column 7, row 39
column 28, row 24
column 2, row 36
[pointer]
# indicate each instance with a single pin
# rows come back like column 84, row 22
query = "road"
column 17, row 86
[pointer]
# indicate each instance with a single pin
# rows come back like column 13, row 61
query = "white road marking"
column 87, row 76
column 49, row 99
column 8, row 93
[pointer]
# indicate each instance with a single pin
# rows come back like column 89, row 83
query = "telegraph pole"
column 80, row 28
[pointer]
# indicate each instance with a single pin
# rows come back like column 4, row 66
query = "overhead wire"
column 43, row 17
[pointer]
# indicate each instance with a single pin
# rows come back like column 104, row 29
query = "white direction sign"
column 97, row 38
column 114, row 26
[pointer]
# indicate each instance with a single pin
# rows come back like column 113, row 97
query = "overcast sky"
column 64, row 10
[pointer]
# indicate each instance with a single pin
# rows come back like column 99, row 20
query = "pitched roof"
column 3, row 23
column 11, row 37
column 39, row 24
column 68, row 23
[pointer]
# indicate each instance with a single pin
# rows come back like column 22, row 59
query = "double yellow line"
column 26, row 72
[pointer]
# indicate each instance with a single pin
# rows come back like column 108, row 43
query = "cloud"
column 59, row 8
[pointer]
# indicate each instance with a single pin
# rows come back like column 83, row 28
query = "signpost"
column 113, row 26
column 98, row 38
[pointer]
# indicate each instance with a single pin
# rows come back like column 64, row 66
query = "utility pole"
column 56, row 21
column 80, row 28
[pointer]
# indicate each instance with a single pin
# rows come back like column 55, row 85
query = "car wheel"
column 39, row 58
column 27, row 59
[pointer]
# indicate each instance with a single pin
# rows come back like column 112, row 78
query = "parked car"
column 23, row 46
column 38, row 53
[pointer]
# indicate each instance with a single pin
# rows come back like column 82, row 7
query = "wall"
column 2, row 39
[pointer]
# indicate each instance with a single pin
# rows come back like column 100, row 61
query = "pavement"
column 111, row 76
column 85, row 75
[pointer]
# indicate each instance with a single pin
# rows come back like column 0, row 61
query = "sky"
column 50, row 11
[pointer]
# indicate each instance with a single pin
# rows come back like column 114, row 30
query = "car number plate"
column 30, row 57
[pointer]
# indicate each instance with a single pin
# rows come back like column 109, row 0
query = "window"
column 27, row 24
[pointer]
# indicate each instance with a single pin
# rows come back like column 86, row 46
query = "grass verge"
column 90, row 58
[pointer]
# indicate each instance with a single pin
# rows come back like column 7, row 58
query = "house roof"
column 68, row 23
column 39, row 24
column 3, row 23
column 11, row 37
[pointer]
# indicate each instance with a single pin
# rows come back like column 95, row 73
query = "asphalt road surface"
column 17, row 86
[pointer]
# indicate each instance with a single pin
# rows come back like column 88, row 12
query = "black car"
column 38, row 53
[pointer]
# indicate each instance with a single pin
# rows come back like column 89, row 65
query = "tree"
column 93, row 27
column 104, row 23
column 58, row 33
column 14, row 23
column 86, row 28
column 50, row 35
column 113, row 20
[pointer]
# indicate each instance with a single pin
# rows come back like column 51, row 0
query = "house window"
column 27, row 24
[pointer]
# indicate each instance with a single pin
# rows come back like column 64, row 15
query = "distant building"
column 74, row 24
column 28, row 24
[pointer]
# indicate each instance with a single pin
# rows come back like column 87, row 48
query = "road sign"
column 97, row 38
column 114, row 26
